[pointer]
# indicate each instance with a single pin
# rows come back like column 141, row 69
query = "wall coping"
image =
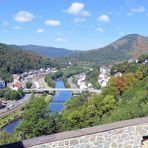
column 83, row 132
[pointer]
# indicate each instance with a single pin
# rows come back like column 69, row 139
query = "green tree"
column 37, row 120
column 15, row 95
column 108, row 103
column 2, row 92
column 49, row 80
column 28, row 85
column 7, row 95
column 6, row 138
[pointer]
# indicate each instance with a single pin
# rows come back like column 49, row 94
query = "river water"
column 56, row 105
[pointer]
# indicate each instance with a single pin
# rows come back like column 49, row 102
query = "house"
column 145, row 61
column 16, row 77
column 130, row 60
column 2, row 84
column 103, row 76
column 89, row 85
column 118, row 74
column 16, row 85
column 83, row 86
column 104, row 70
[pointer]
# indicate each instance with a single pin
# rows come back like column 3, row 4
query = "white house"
column 83, row 86
column 118, row 74
column 89, row 85
column 103, row 76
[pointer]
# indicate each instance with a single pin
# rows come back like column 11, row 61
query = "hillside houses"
column 81, row 81
column 103, row 76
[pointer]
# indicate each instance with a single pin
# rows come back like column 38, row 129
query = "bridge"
column 74, row 90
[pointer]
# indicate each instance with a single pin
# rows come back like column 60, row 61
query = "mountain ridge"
column 129, row 46
column 46, row 50
column 124, row 48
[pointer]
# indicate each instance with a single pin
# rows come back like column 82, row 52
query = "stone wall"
column 123, row 134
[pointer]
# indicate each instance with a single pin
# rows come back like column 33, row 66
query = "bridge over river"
column 50, row 90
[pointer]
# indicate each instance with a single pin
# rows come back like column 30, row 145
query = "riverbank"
column 7, row 119
column 56, row 103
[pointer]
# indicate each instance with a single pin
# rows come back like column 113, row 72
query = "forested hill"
column 18, row 61
column 45, row 50
column 129, row 46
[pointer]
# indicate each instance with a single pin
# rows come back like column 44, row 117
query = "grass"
column 48, row 98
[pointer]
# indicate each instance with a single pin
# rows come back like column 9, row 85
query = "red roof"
column 18, row 85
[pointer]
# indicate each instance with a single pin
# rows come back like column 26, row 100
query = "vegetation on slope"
column 37, row 120
column 129, row 46
column 47, row 51
column 92, row 77
column 18, row 61
column 125, row 97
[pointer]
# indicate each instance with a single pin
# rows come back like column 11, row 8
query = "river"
column 56, row 105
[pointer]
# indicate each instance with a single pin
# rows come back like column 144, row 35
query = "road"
column 13, row 106
column 72, row 85
column 16, row 105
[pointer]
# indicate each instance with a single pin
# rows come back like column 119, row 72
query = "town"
column 34, row 80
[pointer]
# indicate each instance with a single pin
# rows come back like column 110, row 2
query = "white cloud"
column 16, row 27
column 104, row 18
column 52, row 22
column 75, row 8
column 79, row 20
column 99, row 29
column 23, row 16
column 61, row 40
column 40, row 30
column 138, row 9
column 85, row 13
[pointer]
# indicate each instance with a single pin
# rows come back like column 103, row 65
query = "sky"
column 71, row 24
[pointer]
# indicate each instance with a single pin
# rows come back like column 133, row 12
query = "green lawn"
column 48, row 98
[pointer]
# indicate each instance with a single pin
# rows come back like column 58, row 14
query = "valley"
column 69, row 94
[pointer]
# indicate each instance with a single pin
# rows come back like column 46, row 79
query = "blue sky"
column 78, row 25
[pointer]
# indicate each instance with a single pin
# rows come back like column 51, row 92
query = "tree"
column 15, row 95
column 108, row 103
column 121, row 85
column 142, row 58
column 49, row 80
column 2, row 92
column 139, row 75
column 6, row 138
column 28, row 85
column 7, row 95
column 37, row 120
